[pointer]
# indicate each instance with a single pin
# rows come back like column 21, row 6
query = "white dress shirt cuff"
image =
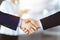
column 41, row 27
column 19, row 24
column 40, row 30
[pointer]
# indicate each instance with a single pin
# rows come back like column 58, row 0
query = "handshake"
column 29, row 26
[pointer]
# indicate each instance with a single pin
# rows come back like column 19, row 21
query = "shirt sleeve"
column 9, row 21
column 19, row 23
column 51, row 21
column 41, row 27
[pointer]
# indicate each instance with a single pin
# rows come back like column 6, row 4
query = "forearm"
column 9, row 21
column 51, row 21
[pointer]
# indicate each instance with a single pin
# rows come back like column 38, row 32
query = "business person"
column 7, row 8
column 44, row 10
column 11, row 21
column 51, row 21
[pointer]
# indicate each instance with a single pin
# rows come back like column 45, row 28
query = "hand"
column 29, row 26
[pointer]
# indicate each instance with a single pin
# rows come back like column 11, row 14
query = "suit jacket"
column 51, row 21
column 12, row 21
column 12, row 9
column 9, row 21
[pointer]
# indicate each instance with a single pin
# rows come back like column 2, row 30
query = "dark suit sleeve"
column 9, row 21
column 51, row 21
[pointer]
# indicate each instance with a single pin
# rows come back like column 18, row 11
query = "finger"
column 35, row 24
column 34, row 27
column 31, row 32
column 27, row 21
column 23, row 27
column 30, row 28
column 26, row 31
column 23, row 24
column 31, row 24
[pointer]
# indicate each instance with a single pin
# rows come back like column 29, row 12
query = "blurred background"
column 49, row 34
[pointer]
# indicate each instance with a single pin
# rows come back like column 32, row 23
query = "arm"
column 51, row 21
column 9, row 21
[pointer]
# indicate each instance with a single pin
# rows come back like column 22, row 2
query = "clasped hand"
column 29, row 26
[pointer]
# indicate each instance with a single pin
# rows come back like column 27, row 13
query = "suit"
column 9, row 21
column 11, row 9
column 51, row 21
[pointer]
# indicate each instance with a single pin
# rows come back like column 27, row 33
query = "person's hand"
column 29, row 26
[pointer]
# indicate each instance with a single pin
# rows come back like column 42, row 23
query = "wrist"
column 19, row 23
column 40, row 24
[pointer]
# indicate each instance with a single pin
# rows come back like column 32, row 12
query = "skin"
column 29, row 26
